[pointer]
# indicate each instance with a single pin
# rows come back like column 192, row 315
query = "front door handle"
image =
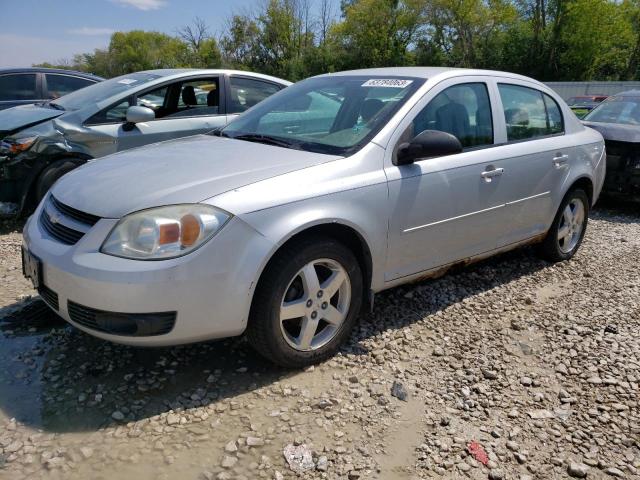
column 560, row 160
column 491, row 172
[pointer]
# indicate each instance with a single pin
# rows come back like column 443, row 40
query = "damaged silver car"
column 40, row 143
column 618, row 120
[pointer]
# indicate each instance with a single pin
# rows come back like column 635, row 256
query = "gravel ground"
column 512, row 368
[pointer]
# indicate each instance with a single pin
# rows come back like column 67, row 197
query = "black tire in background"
column 264, row 330
column 52, row 173
column 551, row 248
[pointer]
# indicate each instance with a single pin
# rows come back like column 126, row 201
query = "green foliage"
column 379, row 32
column 294, row 39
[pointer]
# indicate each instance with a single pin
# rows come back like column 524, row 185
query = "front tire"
column 52, row 174
column 569, row 226
column 306, row 302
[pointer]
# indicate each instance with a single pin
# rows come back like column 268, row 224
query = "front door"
column 446, row 209
column 186, row 107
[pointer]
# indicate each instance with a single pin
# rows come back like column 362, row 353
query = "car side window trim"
column 45, row 83
column 465, row 81
column 542, row 96
column 496, row 106
column 38, row 88
column 88, row 123
column 133, row 98
column 227, row 96
column 176, row 83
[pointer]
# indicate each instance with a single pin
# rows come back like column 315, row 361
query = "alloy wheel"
column 315, row 304
column 571, row 225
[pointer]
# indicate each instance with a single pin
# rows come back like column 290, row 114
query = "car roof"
column 178, row 72
column 429, row 72
column 63, row 71
column 628, row 93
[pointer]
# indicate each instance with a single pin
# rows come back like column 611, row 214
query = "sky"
column 35, row 31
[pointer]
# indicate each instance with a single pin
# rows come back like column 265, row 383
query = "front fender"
column 364, row 210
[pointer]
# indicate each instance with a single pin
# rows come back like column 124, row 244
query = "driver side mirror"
column 138, row 114
column 427, row 144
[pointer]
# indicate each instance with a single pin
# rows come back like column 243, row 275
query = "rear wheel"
column 52, row 173
column 568, row 228
column 306, row 303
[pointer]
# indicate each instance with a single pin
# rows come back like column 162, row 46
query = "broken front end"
column 623, row 170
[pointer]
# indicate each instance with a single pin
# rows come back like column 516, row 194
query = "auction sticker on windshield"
column 127, row 81
column 387, row 82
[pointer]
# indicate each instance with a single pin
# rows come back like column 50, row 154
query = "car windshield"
column 334, row 114
column 102, row 90
column 617, row 110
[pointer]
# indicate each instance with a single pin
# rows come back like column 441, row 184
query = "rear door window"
column 60, row 85
column 529, row 113
column 20, row 86
column 247, row 92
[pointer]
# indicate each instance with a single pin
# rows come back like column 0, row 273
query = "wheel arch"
column 27, row 199
column 584, row 183
column 342, row 232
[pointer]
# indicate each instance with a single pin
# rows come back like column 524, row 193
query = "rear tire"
column 52, row 174
column 306, row 302
column 568, row 228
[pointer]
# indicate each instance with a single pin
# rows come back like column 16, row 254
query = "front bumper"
column 210, row 289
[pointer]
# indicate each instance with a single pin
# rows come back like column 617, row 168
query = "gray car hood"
column 617, row 132
column 187, row 170
column 18, row 118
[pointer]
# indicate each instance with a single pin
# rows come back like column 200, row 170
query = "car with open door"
column 47, row 140
column 283, row 224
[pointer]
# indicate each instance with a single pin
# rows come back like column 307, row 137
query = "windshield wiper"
column 266, row 139
column 54, row 105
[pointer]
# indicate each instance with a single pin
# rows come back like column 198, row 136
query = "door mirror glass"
column 427, row 144
column 139, row 114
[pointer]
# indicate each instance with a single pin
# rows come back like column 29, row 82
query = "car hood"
column 24, row 116
column 187, row 170
column 616, row 131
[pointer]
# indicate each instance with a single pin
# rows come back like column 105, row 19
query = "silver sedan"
column 286, row 222
column 47, row 140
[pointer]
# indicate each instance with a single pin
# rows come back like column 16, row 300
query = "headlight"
column 17, row 145
column 164, row 232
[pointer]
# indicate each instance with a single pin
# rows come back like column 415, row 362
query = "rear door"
column 186, row 107
column 537, row 157
column 446, row 209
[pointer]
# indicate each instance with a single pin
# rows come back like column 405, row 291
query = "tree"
column 203, row 48
column 241, row 42
column 139, row 50
column 378, row 33
column 194, row 35
column 598, row 49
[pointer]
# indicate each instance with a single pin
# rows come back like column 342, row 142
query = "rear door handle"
column 491, row 172
column 560, row 161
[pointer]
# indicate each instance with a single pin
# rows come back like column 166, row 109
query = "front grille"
column 49, row 296
column 124, row 324
column 58, row 231
column 56, row 226
column 71, row 212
